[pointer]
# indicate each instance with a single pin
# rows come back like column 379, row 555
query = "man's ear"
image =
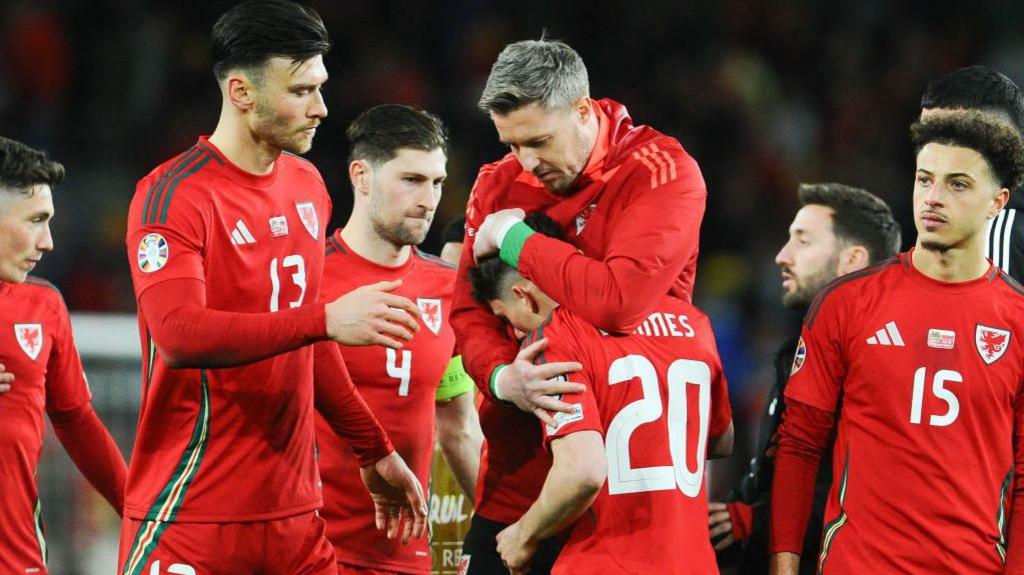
column 583, row 108
column 523, row 293
column 360, row 173
column 240, row 91
column 851, row 259
column 999, row 202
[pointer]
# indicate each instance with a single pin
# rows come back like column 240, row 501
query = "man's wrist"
column 493, row 384
column 512, row 242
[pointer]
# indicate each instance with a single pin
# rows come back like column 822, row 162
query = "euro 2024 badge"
column 307, row 213
column 991, row 342
column 30, row 338
column 153, row 253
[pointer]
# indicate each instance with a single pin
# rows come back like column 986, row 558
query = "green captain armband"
column 512, row 244
column 454, row 382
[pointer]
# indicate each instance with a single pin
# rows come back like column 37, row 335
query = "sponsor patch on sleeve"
column 563, row 419
column 798, row 359
column 153, row 253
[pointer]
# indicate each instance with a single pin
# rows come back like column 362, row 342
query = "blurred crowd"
column 763, row 94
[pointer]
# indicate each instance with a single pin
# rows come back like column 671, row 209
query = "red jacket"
column 635, row 216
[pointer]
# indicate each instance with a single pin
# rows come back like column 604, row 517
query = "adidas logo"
column 890, row 335
column 241, row 235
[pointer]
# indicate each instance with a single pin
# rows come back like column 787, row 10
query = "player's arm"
column 578, row 471
column 501, row 371
column 657, row 236
column 458, row 425
column 812, row 397
column 397, row 494
column 1015, row 543
column 76, row 424
column 720, row 446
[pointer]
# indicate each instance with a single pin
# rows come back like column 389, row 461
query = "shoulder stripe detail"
column 182, row 159
column 813, row 311
column 433, row 259
column 658, row 162
column 1014, row 285
column 211, row 153
column 161, row 215
column 38, row 281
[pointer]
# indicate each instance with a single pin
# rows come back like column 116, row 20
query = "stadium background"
column 763, row 94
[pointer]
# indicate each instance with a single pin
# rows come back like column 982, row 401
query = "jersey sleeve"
column 564, row 344
column 66, row 386
column 166, row 240
column 480, row 335
column 721, row 408
column 652, row 240
column 819, row 365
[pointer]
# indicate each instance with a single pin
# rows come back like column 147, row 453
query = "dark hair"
column 859, row 217
column 492, row 277
column 22, row 167
column 455, row 231
column 377, row 134
column 255, row 31
column 996, row 141
column 977, row 88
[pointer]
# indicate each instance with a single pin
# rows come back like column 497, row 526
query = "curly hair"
column 996, row 141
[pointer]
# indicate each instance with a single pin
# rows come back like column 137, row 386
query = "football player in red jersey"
column 397, row 168
column 37, row 346
column 226, row 249
column 629, row 199
column 917, row 363
column 656, row 404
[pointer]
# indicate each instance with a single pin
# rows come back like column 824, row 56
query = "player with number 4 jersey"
column 920, row 360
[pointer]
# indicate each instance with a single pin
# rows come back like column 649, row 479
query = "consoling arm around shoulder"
column 188, row 334
column 720, row 446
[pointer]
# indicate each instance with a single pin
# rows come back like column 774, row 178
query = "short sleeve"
column 721, row 408
column 819, row 366
column 66, row 386
column 167, row 243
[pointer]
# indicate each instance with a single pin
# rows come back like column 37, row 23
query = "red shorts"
column 350, row 569
column 295, row 545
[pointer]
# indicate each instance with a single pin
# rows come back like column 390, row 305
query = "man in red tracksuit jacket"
column 630, row 201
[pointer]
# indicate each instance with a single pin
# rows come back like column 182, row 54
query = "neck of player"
column 242, row 147
column 360, row 236
column 962, row 263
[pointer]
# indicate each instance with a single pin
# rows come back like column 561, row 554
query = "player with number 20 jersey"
column 657, row 396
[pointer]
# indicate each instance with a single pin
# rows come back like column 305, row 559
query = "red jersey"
column 635, row 214
column 230, row 444
column 656, row 396
column 400, row 388
column 36, row 345
column 925, row 375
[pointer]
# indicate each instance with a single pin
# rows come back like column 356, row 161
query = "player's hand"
column 491, row 233
column 398, row 501
column 719, row 522
column 514, row 550
column 371, row 315
column 6, row 379
column 784, row 564
column 532, row 388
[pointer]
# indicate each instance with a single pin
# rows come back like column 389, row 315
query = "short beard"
column 805, row 292
column 397, row 234
column 277, row 131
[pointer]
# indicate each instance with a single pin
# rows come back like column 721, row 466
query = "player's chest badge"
column 307, row 213
column 30, row 338
column 583, row 216
column 430, row 310
column 991, row 342
column 279, row 226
